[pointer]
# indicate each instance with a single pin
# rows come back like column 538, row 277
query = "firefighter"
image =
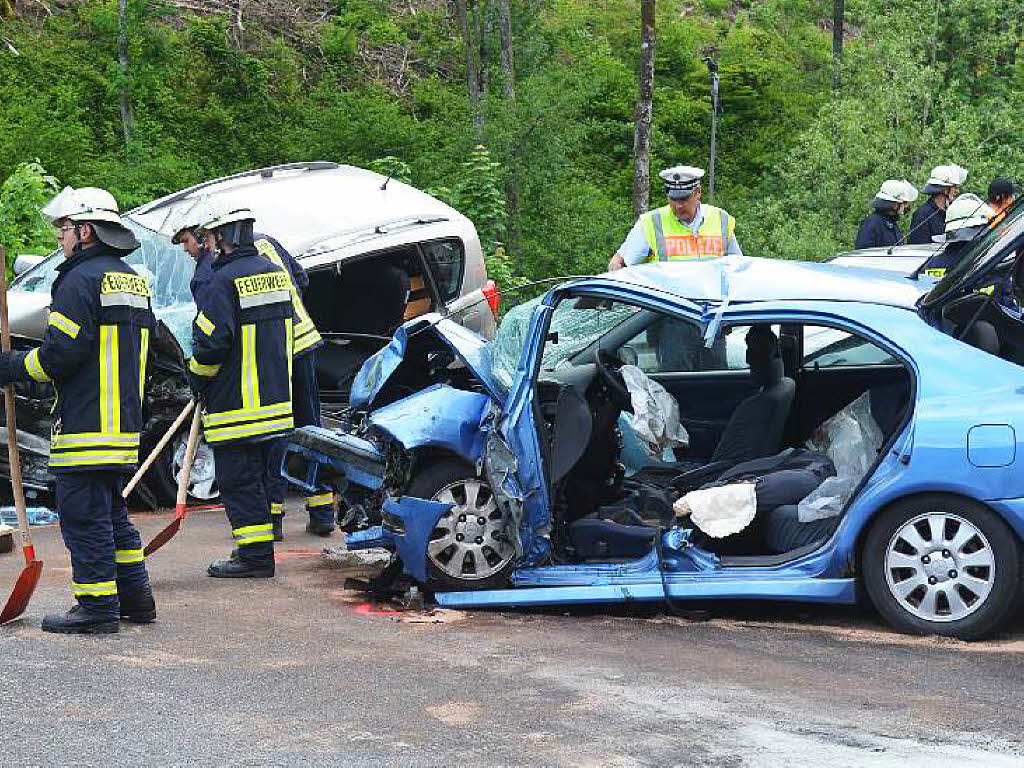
column 241, row 369
column 305, row 396
column 929, row 219
column 198, row 244
column 965, row 218
column 94, row 350
column 882, row 227
column 683, row 229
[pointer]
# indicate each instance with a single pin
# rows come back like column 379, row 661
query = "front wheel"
column 469, row 547
column 942, row 565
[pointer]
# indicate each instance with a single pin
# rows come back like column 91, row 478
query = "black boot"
column 320, row 527
column 138, row 606
column 278, row 524
column 236, row 568
column 80, row 621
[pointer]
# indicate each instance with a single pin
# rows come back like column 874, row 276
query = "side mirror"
column 24, row 262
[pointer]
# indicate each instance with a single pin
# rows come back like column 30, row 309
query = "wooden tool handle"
column 158, row 448
column 13, row 456
column 190, row 455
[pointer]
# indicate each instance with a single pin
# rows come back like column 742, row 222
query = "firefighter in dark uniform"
column 882, row 227
column 967, row 216
column 305, row 395
column 929, row 220
column 94, row 351
column 241, row 369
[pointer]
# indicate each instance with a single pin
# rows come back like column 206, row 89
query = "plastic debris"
column 35, row 515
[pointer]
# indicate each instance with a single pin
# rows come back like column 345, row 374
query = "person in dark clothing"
column 94, row 350
column 929, row 220
column 305, row 395
column 882, row 227
column 242, row 340
column 1001, row 193
column 965, row 218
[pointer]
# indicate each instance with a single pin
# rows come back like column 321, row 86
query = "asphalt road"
column 296, row 670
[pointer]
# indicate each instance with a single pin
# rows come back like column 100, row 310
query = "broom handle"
column 13, row 456
column 190, row 455
column 158, row 448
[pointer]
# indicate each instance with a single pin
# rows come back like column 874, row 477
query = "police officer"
column 241, row 369
column 882, row 227
column 683, row 229
column 94, row 351
column 305, row 395
column 965, row 218
column 929, row 219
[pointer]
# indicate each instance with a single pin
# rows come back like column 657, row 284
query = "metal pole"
column 713, row 69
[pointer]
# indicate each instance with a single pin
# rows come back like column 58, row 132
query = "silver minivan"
column 350, row 229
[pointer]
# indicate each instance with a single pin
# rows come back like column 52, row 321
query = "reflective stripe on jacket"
column 242, row 349
column 306, row 335
column 94, row 351
column 671, row 240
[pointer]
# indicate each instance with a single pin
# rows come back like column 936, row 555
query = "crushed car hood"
column 473, row 350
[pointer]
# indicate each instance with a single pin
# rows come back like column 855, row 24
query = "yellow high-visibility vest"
column 671, row 240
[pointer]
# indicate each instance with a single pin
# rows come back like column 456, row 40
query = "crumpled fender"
column 439, row 417
column 409, row 522
column 472, row 349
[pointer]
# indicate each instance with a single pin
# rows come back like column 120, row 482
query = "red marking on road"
column 367, row 608
column 291, row 553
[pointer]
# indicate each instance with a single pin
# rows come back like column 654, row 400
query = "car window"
column 832, row 348
column 446, row 260
column 507, row 346
column 672, row 345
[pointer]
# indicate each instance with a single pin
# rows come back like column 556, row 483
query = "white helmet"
column 897, row 191
column 943, row 177
column 85, row 204
column 190, row 217
column 967, row 212
column 220, row 216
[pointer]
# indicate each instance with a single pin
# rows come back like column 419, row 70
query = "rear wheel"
column 468, row 547
column 942, row 565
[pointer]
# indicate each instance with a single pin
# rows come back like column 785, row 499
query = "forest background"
column 518, row 112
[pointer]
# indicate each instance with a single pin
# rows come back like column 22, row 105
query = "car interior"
column 750, row 403
column 357, row 305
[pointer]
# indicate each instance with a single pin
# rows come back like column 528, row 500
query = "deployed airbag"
column 655, row 417
column 720, row 511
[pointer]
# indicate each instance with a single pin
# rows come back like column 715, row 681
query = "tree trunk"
column 483, row 36
column 512, row 235
column 644, row 111
column 472, row 70
column 838, row 27
column 122, row 60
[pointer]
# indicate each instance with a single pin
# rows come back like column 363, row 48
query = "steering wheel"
column 608, row 370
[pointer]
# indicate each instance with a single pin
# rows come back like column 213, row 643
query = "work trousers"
column 242, row 471
column 106, row 550
column 306, row 409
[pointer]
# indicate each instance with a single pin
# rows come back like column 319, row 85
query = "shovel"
column 180, row 509
column 158, row 448
column 26, row 583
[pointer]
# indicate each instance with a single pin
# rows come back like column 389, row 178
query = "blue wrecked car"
column 735, row 428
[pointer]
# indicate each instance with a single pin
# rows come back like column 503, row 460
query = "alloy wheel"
column 469, row 541
column 940, row 567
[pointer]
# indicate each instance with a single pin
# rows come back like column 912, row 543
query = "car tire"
column 486, row 561
column 943, row 565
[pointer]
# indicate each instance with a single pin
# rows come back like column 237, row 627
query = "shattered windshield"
column 166, row 266
column 508, row 342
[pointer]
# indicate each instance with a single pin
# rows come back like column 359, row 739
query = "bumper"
column 311, row 450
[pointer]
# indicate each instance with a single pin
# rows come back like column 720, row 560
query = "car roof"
column 756, row 279
column 303, row 204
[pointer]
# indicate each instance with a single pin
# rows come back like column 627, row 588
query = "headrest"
column 763, row 356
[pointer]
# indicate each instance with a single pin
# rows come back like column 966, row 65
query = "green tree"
column 22, row 226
